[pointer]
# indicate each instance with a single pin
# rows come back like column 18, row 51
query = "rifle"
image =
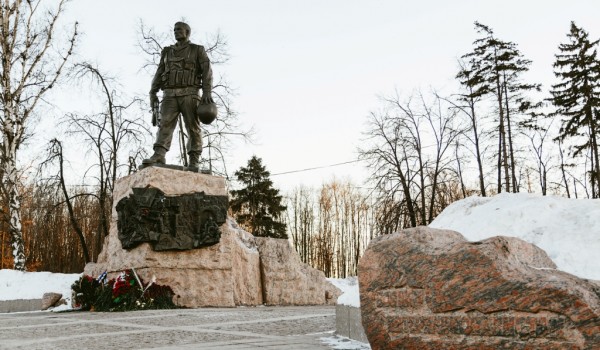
column 155, row 114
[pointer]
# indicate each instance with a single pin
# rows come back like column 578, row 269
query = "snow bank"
column 567, row 229
column 342, row 343
column 32, row 285
column 349, row 288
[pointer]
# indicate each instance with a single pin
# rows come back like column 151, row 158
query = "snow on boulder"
column 567, row 229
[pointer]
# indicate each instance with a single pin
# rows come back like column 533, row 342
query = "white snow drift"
column 567, row 229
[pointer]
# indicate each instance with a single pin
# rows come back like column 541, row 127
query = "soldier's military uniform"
column 184, row 69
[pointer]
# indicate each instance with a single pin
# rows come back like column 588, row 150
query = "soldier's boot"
column 157, row 158
column 194, row 163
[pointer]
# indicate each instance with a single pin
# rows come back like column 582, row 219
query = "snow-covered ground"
column 567, row 229
column 349, row 288
column 32, row 285
column 342, row 343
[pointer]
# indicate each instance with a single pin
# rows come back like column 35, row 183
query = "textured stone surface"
column 50, row 299
column 425, row 288
column 226, row 274
column 288, row 281
column 199, row 277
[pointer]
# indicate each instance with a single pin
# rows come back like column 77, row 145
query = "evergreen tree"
column 257, row 206
column 497, row 67
column 577, row 97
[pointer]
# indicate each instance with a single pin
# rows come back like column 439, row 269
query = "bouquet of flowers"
column 125, row 293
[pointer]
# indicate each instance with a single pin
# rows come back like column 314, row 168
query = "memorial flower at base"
column 125, row 293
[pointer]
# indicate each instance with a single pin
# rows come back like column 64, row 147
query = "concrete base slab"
column 290, row 328
column 348, row 323
column 20, row 305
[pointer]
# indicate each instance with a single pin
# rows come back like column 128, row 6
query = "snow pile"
column 567, row 229
column 32, row 285
column 349, row 288
column 342, row 343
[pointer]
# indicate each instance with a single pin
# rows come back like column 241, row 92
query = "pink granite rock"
column 288, row 281
column 426, row 288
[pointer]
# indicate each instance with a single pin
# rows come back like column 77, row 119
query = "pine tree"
column 499, row 65
column 257, row 206
column 577, row 97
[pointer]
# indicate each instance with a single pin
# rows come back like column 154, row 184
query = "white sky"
column 307, row 73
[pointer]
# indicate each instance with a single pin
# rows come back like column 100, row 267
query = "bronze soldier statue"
column 184, row 69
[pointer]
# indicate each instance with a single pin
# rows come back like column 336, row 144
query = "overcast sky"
column 307, row 73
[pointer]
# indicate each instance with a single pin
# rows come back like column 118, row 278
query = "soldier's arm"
column 157, row 80
column 207, row 76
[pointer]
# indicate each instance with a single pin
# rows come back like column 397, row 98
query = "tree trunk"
column 409, row 202
column 595, row 160
column 422, row 183
column 501, row 142
column 477, row 150
column 510, row 142
column 460, row 175
column 505, row 161
column 502, row 156
column 562, row 168
column 74, row 223
column 14, row 204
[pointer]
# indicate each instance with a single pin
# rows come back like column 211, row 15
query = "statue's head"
column 182, row 31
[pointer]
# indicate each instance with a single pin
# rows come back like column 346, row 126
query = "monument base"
column 239, row 270
column 176, row 167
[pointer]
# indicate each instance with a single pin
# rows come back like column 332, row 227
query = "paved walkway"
column 211, row 328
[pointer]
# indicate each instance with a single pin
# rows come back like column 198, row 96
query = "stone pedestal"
column 226, row 274
column 287, row 281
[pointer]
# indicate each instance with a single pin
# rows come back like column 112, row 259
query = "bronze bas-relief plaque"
column 170, row 222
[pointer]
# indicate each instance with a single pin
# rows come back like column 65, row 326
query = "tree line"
column 497, row 133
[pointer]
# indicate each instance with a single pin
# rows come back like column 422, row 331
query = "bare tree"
column 31, row 65
column 109, row 134
column 476, row 87
column 537, row 142
column 55, row 154
column 563, row 167
column 537, row 129
column 387, row 157
column 406, row 172
column 440, row 120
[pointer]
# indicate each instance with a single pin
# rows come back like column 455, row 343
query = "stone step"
column 20, row 305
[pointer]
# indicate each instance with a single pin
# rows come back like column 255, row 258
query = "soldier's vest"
column 181, row 71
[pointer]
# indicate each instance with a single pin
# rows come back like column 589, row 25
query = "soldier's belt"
column 180, row 91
